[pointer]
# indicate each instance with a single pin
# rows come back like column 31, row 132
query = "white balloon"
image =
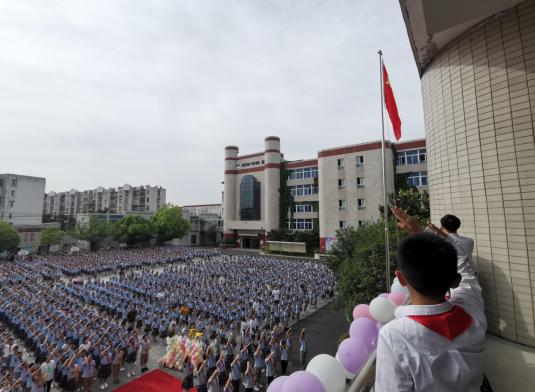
column 382, row 309
column 348, row 375
column 329, row 371
column 396, row 286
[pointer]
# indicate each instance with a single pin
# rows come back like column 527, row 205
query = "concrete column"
column 272, row 159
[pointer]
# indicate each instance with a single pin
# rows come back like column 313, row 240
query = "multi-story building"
column 477, row 68
column 121, row 200
column 206, row 224
column 21, row 205
column 341, row 187
column 21, row 199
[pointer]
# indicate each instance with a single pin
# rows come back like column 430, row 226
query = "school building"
column 339, row 187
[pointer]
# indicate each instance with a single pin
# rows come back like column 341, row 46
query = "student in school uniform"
column 222, row 370
column 187, row 384
column 200, row 378
column 213, row 382
column 248, row 380
column 235, row 373
column 258, row 366
column 303, row 349
column 144, row 346
column 270, row 368
column 88, row 372
column 289, row 343
column 116, row 363
column 434, row 343
column 104, row 369
column 284, row 357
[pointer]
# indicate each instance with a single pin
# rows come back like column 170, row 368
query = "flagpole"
column 383, row 156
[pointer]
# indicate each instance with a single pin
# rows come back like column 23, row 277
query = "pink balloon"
column 364, row 330
column 362, row 310
column 397, row 297
column 276, row 384
column 352, row 354
column 302, row 381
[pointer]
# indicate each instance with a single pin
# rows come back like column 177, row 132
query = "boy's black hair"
column 429, row 263
column 450, row 222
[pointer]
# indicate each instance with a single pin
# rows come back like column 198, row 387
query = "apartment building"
column 341, row 187
column 120, row 200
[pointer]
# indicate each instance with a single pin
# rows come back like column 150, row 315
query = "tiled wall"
column 479, row 100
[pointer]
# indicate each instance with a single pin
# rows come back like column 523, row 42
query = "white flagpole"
column 383, row 155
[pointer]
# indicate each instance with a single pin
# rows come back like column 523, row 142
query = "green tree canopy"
column 358, row 260
column 9, row 238
column 132, row 230
column 169, row 223
column 51, row 236
column 92, row 231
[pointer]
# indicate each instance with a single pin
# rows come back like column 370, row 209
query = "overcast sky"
column 150, row 92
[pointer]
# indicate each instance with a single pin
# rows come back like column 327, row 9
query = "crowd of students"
column 63, row 332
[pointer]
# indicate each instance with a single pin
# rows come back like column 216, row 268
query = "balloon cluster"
column 327, row 374
column 180, row 347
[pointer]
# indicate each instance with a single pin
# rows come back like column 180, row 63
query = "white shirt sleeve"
column 469, row 294
column 390, row 372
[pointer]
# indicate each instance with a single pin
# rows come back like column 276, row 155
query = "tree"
column 286, row 199
column 169, row 223
column 92, row 231
column 51, row 236
column 359, row 264
column 133, row 230
column 415, row 203
column 9, row 238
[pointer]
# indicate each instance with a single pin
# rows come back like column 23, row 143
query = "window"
column 411, row 157
column 306, row 172
column 361, row 223
column 340, row 162
column 13, row 182
column 301, row 224
column 341, row 204
column 417, row 179
column 249, row 199
column 342, row 224
column 361, row 204
column 12, row 193
column 360, row 182
column 360, row 160
column 1, row 182
column 11, row 202
column 303, row 208
column 341, row 183
column 303, row 190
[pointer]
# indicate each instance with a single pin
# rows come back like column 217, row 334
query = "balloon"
column 397, row 287
column 365, row 330
column 347, row 374
column 362, row 310
column 382, row 309
column 397, row 297
column 352, row 354
column 383, row 295
column 302, row 382
column 276, row 384
column 329, row 371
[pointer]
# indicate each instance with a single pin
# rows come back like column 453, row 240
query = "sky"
column 103, row 93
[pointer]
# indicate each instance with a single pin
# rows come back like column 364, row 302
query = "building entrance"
column 250, row 243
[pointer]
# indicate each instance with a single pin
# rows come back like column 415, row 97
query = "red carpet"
column 154, row 381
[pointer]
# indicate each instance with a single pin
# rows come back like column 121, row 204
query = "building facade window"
column 342, row 224
column 249, row 199
column 303, row 190
column 360, row 160
column 303, row 208
column 340, row 162
column 361, row 203
column 341, row 183
column 360, row 182
column 13, row 182
column 305, row 172
column 341, row 204
column 362, row 223
column 411, row 157
column 301, row 224
column 417, row 179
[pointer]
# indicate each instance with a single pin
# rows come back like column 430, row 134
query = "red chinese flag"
column 391, row 106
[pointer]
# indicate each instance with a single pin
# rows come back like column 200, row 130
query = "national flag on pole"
column 391, row 107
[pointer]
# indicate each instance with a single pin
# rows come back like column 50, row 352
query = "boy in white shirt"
column 433, row 344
